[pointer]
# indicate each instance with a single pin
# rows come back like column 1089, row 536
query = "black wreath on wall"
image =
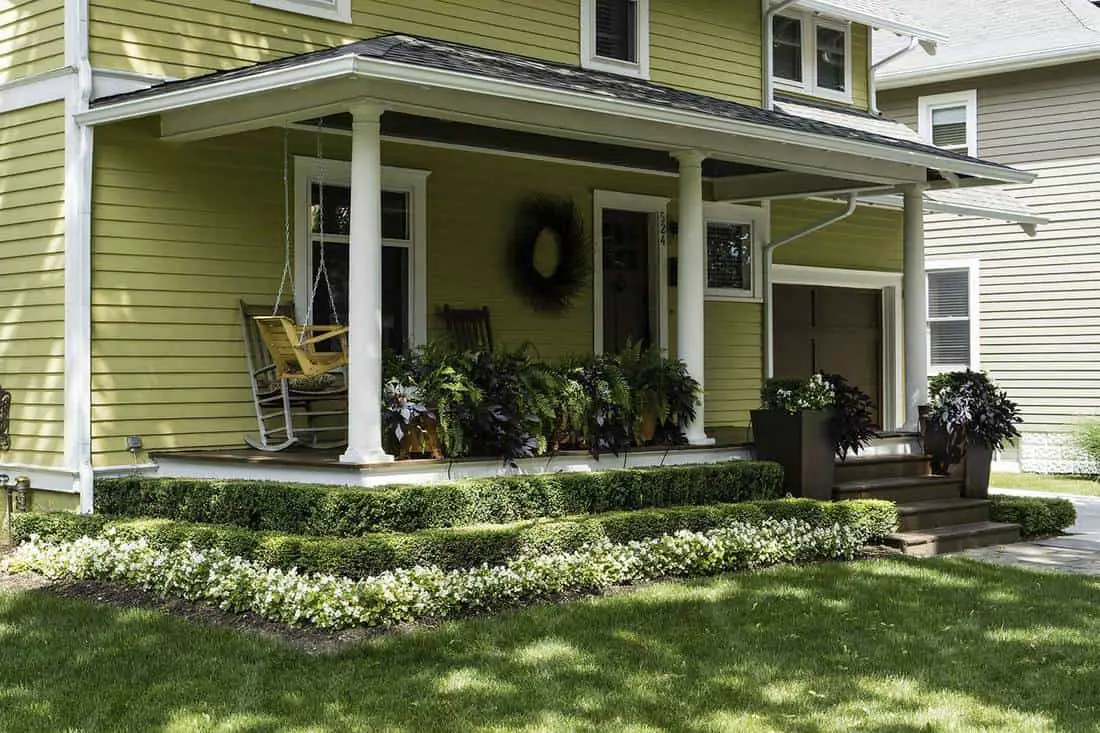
column 549, row 252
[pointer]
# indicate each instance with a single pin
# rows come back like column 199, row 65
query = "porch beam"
column 787, row 184
column 365, row 290
column 915, row 295
column 691, row 281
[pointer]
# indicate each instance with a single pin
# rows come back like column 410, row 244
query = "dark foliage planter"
column 802, row 444
column 971, row 465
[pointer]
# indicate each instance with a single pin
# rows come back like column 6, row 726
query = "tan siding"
column 1040, row 315
column 32, row 280
column 32, row 37
column 870, row 239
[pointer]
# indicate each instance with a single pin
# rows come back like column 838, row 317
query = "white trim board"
column 31, row 91
column 338, row 10
column 657, row 208
column 893, row 324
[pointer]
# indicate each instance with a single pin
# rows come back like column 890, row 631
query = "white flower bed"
column 326, row 601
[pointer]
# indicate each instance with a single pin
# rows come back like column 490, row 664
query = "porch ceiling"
column 461, row 84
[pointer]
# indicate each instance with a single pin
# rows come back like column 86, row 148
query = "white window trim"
column 758, row 219
column 309, row 170
column 589, row 59
column 810, row 23
column 339, row 10
column 974, row 299
column 657, row 207
column 969, row 98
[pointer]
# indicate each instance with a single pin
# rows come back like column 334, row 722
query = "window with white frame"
column 331, row 9
column 733, row 236
column 615, row 36
column 952, row 316
column 950, row 121
column 324, row 194
column 812, row 55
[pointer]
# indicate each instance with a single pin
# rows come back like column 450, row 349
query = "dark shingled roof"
column 448, row 56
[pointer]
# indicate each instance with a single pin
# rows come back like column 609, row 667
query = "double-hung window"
column 329, row 9
column 615, row 36
column 952, row 316
column 324, row 191
column 812, row 55
column 950, row 121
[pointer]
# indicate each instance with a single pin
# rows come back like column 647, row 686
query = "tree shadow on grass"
column 886, row 645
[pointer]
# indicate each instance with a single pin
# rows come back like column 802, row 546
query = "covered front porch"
column 453, row 138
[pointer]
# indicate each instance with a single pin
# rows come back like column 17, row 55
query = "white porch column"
column 915, row 294
column 365, row 290
column 691, row 279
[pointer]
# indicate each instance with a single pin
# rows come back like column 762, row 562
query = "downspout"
column 872, row 91
column 768, row 12
column 769, row 250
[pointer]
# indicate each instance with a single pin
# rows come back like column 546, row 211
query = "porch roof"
column 430, row 63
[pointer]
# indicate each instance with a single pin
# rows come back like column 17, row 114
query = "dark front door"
column 834, row 330
column 625, row 278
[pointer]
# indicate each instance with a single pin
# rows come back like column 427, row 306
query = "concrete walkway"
column 1076, row 552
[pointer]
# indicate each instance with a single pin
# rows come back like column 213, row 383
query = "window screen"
column 831, row 59
column 949, row 127
column 787, row 48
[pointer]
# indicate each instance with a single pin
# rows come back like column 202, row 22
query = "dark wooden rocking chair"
column 469, row 328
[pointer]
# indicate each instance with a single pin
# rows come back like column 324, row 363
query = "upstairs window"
column 812, row 55
column 952, row 317
column 615, row 36
column 950, row 121
column 330, row 9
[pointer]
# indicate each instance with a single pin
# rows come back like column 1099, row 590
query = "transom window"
column 812, row 55
column 330, row 9
column 733, row 236
column 950, row 121
column 615, row 36
column 326, row 234
column 952, row 318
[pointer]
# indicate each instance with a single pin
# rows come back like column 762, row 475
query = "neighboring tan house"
column 1018, row 83
column 160, row 161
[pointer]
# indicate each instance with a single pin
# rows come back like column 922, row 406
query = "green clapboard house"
column 748, row 207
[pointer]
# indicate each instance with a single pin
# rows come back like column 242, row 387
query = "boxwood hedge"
column 455, row 547
column 1036, row 515
column 352, row 512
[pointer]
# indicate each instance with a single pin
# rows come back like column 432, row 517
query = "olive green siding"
column 32, row 37
column 32, row 280
column 709, row 46
column 870, row 239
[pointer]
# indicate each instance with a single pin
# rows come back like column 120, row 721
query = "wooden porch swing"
column 290, row 371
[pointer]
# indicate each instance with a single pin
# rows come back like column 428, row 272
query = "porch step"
column 869, row 467
column 924, row 515
column 954, row 538
column 903, row 489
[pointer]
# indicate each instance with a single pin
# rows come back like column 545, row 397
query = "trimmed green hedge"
column 1037, row 516
column 356, row 512
column 456, row 547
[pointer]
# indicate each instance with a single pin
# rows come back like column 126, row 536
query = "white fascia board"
column 31, row 91
column 939, row 207
column 370, row 68
column 988, row 67
column 216, row 91
column 873, row 20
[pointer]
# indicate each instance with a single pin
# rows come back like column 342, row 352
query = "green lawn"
column 1053, row 484
column 898, row 645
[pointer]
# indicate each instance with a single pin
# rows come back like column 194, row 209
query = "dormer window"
column 615, row 36
column 812, row 55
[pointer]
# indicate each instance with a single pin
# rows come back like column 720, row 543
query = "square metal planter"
column 803, row 444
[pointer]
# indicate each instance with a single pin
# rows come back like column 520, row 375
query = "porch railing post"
column 365, row 290
column 915, row 295
column 691, row 279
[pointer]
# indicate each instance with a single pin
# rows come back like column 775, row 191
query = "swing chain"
column 322, row 263
column 288, row 275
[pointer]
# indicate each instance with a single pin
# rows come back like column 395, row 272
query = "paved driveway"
column 1077, row 552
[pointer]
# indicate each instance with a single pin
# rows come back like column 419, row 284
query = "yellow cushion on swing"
column 316, row 383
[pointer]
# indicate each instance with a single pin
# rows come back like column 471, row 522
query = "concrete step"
column 866, row 467
column 954, row 538
column 930, row 513
column 902, row 489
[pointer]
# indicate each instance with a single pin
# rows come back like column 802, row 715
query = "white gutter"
column 1000, row 65
column 78, row 259
column 369, row 68
column 768, row 13
column 872, row 91
column 769, row 250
